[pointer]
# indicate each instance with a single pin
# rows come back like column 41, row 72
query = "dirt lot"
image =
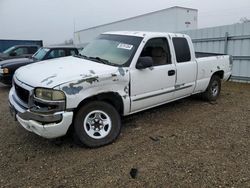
column 188, row 143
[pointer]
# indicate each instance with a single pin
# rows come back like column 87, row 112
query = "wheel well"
column 110, row 97
column 219, row 73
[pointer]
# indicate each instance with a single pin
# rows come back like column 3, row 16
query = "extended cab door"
column 154, row 85
column 186, row 67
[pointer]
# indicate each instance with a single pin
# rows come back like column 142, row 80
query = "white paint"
column 60, row 70
column 52, row 130
column 81, row 79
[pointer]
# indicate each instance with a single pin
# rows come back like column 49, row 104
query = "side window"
column 33, row 50
column 158, row 49
column 21, row 51
column 182, row 50
column 72, row 52
column 56, row 53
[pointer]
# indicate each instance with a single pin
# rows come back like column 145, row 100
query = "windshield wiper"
column 81, row 56
column 104, row 61
column 96, row 59
column 99, row 60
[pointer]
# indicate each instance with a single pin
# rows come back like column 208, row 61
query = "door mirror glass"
column 144, row 62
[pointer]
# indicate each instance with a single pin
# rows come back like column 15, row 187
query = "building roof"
column 26, row 45
column 137, row 17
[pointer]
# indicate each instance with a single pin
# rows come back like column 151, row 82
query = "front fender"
column 79, row 90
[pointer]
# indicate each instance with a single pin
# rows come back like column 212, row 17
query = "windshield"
column 116, row 50
column 9, row 50
column 40, row 54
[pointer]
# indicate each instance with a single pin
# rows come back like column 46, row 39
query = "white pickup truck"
column 118, row 74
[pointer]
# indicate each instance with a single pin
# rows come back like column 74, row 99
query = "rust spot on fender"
column 124, row 96
column 72, row 90
column 92, row 80
column 121, row 71
column 126, row 89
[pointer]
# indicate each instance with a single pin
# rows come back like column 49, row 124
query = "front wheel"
column 213, row 90
column 96, row 124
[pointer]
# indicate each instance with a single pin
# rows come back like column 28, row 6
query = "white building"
column 167, row 20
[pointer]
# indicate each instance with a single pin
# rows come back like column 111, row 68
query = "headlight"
column 49, row 94
column 4, row 70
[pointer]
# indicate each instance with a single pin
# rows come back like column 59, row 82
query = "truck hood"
column 14, row 62
column 51, row 73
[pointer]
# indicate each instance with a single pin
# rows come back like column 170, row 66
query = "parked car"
column 118, row 74
column 8, row 67
column 19, row 51
column 7, row 43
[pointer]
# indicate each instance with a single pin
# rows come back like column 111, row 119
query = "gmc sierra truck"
column 118, row 74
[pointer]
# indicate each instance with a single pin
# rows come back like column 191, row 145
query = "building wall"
column 229, row 39
column 167, row 20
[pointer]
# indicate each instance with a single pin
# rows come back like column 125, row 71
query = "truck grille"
column 22, row 93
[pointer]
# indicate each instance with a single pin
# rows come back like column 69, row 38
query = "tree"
column 69, row 42
column 244, row 20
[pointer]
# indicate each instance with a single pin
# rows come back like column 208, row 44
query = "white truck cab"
column 118, row 74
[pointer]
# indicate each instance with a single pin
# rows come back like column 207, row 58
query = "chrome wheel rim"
column 215, row 89
column 97, row 124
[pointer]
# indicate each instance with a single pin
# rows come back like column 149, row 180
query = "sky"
column 55, row 21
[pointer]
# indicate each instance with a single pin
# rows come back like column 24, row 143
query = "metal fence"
column 229, row 39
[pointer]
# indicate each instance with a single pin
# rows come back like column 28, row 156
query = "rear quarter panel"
column 207, row 66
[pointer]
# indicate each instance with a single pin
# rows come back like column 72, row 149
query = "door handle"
column 171, row 72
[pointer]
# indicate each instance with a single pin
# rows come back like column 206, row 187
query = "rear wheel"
column 96, row 124
column 213, row 90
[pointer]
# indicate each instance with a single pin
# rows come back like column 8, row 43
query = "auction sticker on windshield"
column 125, row 46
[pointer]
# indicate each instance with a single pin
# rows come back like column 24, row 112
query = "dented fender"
column 94, row 84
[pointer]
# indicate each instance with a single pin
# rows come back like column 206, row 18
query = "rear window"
column 182, row 50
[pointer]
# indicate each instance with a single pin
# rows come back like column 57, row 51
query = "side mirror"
column 13, row 54
column 144, row 62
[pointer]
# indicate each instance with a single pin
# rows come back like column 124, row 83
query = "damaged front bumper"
column 47, row 125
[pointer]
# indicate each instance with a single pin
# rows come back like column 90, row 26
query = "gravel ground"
column 188, row 143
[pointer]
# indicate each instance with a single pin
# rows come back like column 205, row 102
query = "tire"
column 213, row 90
column 97, row 124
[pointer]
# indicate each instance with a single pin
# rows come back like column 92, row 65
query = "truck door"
column 154, row 85
column 186, row 67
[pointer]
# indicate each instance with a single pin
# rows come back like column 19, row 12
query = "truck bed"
column 208, row 63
